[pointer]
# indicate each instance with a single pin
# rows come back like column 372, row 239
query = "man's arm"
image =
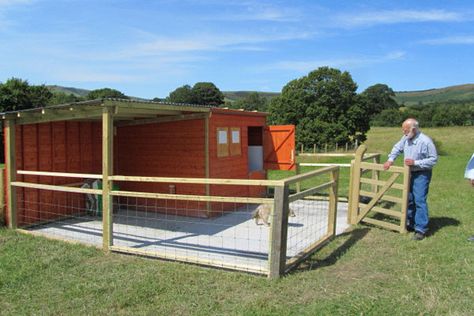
column 396, row 151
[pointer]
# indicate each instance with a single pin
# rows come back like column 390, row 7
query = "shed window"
column 235, row 141
column 222, row 142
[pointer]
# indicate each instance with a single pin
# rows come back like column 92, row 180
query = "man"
column 469, row 174
column 420, row 154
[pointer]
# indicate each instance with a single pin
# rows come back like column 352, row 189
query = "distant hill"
column 463, row 92
column 69, row 90
column 408, row 98
column 237, row 95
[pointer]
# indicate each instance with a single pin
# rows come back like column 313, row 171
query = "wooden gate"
column 382, row 199
column 279, row 147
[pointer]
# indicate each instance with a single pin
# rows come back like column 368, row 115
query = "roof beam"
column 156, row 106
column 57, row 115
column 163, row 119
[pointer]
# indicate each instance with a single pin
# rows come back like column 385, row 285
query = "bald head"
column 410, row 127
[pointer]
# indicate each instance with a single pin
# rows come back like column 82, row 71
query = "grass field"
column 366, row 271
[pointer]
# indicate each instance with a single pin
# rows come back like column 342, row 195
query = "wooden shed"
column 139, row 139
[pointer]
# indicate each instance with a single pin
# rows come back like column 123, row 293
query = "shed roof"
column 125, row 112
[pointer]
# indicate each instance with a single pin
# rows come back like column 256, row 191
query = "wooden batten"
column 207, row 168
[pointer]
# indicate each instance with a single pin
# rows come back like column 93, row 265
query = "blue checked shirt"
column 420, row 148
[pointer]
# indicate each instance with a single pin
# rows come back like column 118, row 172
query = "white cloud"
column 309, row 65
column 210, row 42
column 450, row 40
column 398, row 16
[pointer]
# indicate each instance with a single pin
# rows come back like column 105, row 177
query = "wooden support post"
column 302, row 148
column 298, row 171
column 314, row 148
column 347, row 146
column 355, row 185
column 404, row 206
column 326, row 148
column 11, row 172
column 332, row 215
column 107, row 170
column 206, row 161
column 336, row 147
column 278, row 233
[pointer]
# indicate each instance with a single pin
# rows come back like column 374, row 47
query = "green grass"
column 366, row 271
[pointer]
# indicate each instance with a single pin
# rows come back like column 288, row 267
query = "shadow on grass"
column 314, row 263
column 437, row 223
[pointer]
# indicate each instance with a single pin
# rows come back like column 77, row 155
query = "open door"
column 279, row 147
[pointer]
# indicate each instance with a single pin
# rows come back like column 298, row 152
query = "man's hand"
column 387, row 165
column 409, row 162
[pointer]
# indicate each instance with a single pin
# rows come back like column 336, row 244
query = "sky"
column 149, row 48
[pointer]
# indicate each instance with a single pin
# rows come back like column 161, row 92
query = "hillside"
column 408, row 98
column 69, row 90
column 454, row 93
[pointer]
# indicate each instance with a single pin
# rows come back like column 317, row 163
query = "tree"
column 16, row 94
column 205, row 93
column 324, row 106
column 182, row 94
column 105, row 93
column 251, row 102
column 379, row 97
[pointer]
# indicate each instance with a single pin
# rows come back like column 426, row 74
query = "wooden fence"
column 278, row 260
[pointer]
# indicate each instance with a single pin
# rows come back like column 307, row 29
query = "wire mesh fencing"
column 60, row 215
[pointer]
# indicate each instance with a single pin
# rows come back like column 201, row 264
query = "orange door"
column 279, row 147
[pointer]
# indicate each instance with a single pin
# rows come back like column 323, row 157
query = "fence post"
column 107, row 169
column 302, row 148
column 314, row 148
column 336, row 148
column 332, row 215
column 326, row 147
column 355, row 185
column 278, row 233
column 11, row 172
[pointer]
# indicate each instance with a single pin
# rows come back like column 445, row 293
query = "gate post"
column 355, row 185
column 279, row 232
